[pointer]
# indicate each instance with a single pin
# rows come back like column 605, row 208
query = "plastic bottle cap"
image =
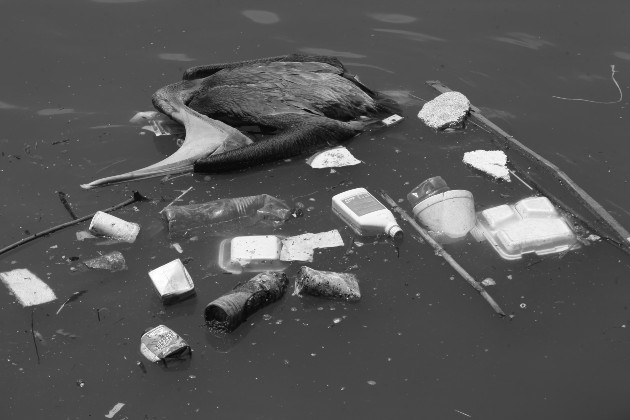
column 396, row 233
column 426, row 189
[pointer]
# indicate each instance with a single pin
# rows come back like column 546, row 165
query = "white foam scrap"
column 446, row 110
column 27, row 288
column 115, row 409
column 302, row 247
column 332, row 158
column 492, row 162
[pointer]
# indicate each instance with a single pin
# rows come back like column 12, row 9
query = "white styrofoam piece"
column 492, row 162
column 536, row 207
column 446, row 110
column 332, row 158
column 302, row 247
column 27, row 288
column 536, row 227
column 246, row 250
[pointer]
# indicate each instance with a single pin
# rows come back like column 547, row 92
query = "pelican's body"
column 299, row 104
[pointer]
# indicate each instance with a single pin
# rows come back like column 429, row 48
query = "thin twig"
column 136, row 197
column 612, row 67
column 180, row 196
column 33, row 334
column 62, row 196
column 442, row 252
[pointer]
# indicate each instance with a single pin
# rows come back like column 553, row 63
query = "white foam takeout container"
column 532, row 225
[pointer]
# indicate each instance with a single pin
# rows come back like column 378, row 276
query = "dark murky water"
column 421, row 343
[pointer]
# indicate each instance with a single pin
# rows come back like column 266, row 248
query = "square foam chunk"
column 255, row 249
column 536, row 207
column 539, row 235
column 27, row 288
column 500, row 215
column 172, row 281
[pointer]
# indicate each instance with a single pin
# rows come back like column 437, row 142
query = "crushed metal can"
column 172, row 282
column 162, row 343
column 104, row 224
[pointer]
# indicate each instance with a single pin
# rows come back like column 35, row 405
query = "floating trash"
column 488, row 282
column 114, row 261
column 27, row 288
column 327, row 284
column 332, row 158
column 172, row 282
column 447, row 110
column 530, row 226
column 254, row 209
column 115, row 409
column 302, row 247
column 162, row 343
column 491, row 162
column 393, row 119
column 104, row 224
column 251, row 254
column 227, row 312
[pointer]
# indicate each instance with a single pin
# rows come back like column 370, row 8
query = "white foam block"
column 27, row 288
column 301, row 247
column 332, row 158
column 492, row 162
column 446, row 110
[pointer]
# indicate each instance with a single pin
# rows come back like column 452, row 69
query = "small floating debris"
column 162, row 343
column 172, row 282
column 227, row 312
column 115, row 409
column 332, row 158
column 114, row 261
column 447, row 110
column 488, row 282
column 327, row 284
column 27, row 288
column 302, row 247
column 491, row 162
column 72, row 298
column 104, row 224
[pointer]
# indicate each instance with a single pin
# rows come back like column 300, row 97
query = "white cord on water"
column 612, row 67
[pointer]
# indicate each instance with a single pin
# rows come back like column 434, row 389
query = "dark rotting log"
column 505, row 141
column 327, row 284
column 227, row 312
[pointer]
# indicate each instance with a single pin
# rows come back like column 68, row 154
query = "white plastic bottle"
column 365, row 214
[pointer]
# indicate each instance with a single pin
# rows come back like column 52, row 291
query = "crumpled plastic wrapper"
column 447, row 110
column 113, row 261
column 327, row 284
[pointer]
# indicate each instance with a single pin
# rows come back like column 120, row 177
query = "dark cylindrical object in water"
column 261, row 207
column 230, row 310
column 327, row 284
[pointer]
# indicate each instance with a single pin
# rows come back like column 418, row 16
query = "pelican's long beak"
column 204, row 137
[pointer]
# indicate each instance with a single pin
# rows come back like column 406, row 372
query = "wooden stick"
column 442, row 253
column 506, row 141
column 178, row 197
column 136, row 197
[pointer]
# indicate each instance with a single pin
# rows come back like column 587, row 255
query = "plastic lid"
column 426, row 189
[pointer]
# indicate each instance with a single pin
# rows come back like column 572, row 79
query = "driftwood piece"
column 505, row 141
column 442, row 253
